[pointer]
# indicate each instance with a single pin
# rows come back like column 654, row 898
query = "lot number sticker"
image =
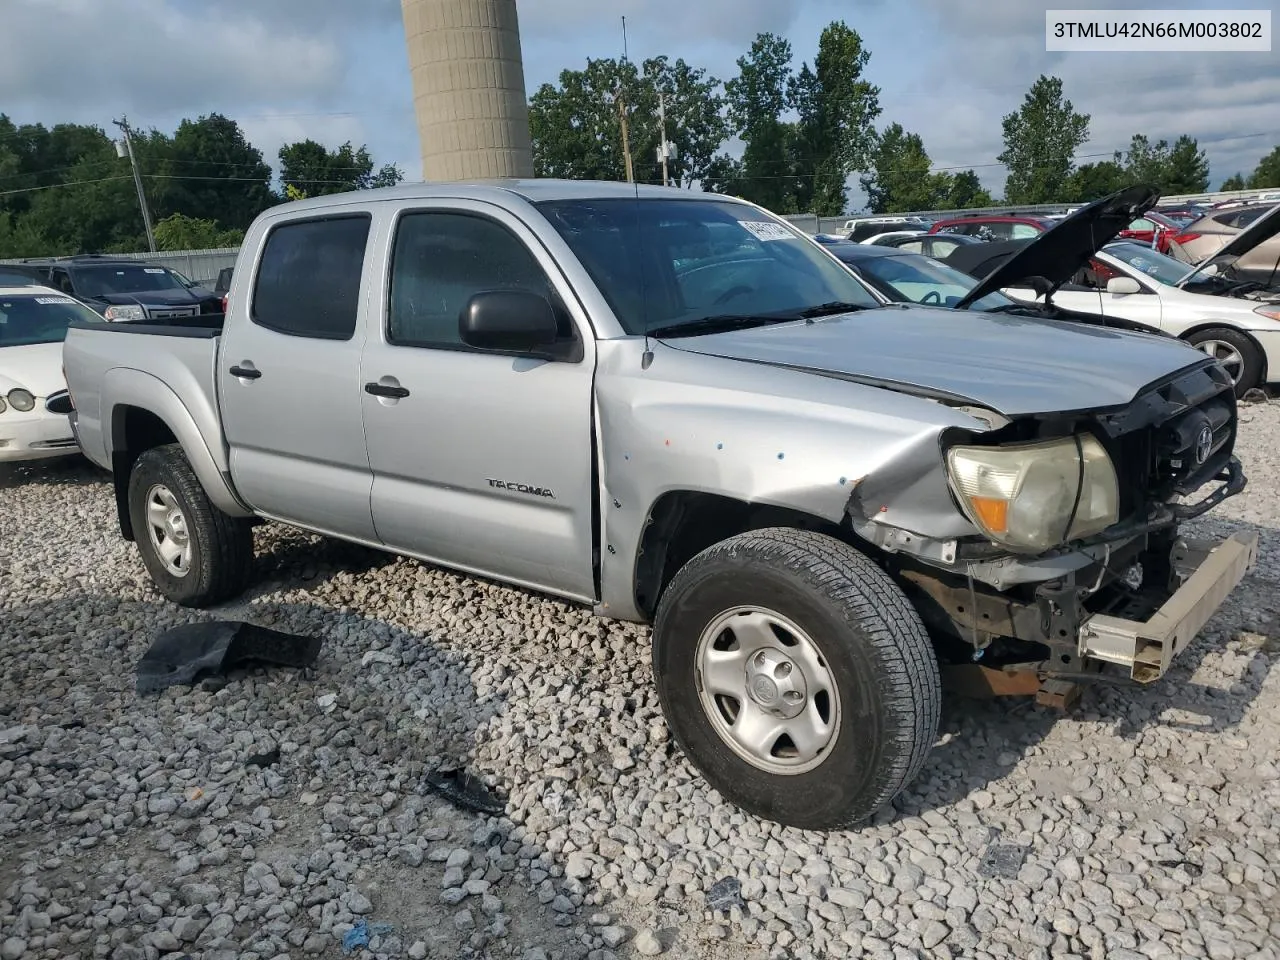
column 763, row 230
column 54, row 300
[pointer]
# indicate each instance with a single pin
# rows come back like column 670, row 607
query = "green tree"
column 313, row 168
column 1233, row 182
column 217, row 174
column 837, row 108
column 1187, row 170
column 1267, row 172
column 1091, row 181
column 757, row 98
column 1040, row 141
column 900, row 179
column 577, row 127
column 966, row 191
column 180, row 232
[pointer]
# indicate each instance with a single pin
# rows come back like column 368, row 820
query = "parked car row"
column 1227, row 303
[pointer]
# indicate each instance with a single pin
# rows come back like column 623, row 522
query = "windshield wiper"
column 827, row 309
column 719, row 323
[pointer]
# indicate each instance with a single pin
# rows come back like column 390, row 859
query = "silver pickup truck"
column 676, row 408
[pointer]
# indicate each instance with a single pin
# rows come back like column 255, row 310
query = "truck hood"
column 1067, row 246
column 1260, row 231
column 1014, row 365
column 36, row 367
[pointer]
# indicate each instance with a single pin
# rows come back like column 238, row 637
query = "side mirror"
column 1122, row 286
column 510, row 321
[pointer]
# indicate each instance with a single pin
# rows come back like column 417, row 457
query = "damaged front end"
column 1073, row 558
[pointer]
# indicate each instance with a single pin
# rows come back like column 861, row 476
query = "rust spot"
column 667, row 442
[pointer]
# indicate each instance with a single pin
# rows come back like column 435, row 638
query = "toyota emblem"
column 1204, row 444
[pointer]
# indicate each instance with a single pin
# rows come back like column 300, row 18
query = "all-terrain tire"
column 871, row 642
column 1249, row 374
column 221, row 546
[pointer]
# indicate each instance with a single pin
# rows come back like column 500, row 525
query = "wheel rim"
column 167, row 525
column 1225, row 354
column 767, row 690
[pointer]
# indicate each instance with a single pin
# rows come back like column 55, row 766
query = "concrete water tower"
column 468, row 88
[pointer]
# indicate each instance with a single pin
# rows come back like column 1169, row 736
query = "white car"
column 33, row 323
column 1147, row 288
column 880, row 239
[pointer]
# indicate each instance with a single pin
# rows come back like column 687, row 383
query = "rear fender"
column 134, row 388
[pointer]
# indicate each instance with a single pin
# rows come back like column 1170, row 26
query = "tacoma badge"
column 521, row 488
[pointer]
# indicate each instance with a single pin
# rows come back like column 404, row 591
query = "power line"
column 54, row 186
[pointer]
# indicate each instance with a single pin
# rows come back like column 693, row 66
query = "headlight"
column 126, row 312
column 21, row 400
column 1269, row 310
column 1033, row 497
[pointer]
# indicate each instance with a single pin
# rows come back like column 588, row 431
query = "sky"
column 336, row 70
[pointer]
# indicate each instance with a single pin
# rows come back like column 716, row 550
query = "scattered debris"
column 188, row 652
column 362, row 932
column 1002, row 860
column 1252, row 642
column 264, row 759
column 725, row 894
column 462, row 789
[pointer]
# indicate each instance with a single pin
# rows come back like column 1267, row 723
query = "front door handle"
column 245, row 373
column 384, row 390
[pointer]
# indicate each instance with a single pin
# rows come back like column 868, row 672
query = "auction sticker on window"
column 153, row 269
column 54, row 300
column 763, row 230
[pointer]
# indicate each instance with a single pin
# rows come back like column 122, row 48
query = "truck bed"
column 167, row 369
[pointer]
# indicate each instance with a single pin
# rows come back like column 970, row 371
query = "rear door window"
column 308, row 282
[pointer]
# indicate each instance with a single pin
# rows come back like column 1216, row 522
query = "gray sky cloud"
column 336, row 70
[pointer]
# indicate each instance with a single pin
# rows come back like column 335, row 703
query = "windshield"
column 661, row 263
column 926, row 281
column 100, row 281
column 1159, row 267
column 33, row 318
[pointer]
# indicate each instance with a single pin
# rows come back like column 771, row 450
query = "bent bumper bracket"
column 1147, row 648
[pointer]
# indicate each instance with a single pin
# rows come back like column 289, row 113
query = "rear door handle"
column 383, row 390
column 245, row 373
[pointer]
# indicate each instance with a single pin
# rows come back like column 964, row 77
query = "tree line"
column 64, row 189
column 805, row 132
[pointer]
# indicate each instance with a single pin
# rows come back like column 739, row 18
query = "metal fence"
column 202, row 266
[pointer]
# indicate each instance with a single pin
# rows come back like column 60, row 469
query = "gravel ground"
column 1144, row 825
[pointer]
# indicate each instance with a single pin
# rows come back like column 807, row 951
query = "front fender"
column 764, row 436
column 133, row 388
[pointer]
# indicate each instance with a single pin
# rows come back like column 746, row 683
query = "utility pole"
column 626, row 142
column 622, row 112
column 663, row 150
column 123, row 124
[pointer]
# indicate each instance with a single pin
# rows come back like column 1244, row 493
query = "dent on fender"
column 699, row 424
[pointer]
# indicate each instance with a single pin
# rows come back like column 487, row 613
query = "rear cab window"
column 308, row 282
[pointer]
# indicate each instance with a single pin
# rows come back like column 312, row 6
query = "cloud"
column 659, row 24
column 159, row 60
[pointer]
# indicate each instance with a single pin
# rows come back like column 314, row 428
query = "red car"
column 1007, row 226
column 1151, row 227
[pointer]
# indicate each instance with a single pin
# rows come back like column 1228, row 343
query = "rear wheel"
column 196, row 554
column 1235, row 351
column 796, row 677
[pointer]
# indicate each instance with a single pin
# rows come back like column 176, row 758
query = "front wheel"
column 196, row 554
column 796, row 677
column 1235, row 351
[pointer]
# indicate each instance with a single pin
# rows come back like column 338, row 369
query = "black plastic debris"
column 264, row 759
column 464, row 790
column 1003, row 860
column 725, row 894
column 191, row 651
